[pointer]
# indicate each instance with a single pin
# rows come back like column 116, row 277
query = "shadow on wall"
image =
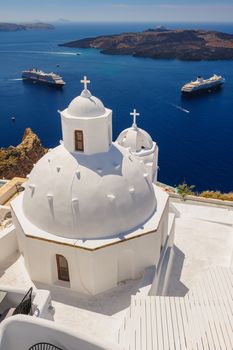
column 107, row 303
column 8, row 262
column 175, row 287
column 173, row 209
column 97, row 162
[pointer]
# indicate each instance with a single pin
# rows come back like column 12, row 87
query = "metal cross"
column 85, row 82
column 135, row 115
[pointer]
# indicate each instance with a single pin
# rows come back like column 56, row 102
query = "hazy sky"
column 113, row 10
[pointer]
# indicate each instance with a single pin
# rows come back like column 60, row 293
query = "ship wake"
column 180, row 108
column 44, row 52
column 16, row 79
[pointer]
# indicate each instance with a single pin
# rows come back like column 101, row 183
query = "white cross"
column 135, row 115
column 85, row 82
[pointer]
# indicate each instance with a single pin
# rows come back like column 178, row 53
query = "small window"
column 62, row 268
column 79, row 141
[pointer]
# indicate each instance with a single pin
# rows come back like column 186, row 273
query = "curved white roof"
column 86, row 106
column 88, row 196
column 135, row 139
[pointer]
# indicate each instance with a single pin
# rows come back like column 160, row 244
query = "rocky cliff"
column 18, row 161
column 180, row 44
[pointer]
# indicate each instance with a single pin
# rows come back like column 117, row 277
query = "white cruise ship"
column 42, row 77
column 201, row 85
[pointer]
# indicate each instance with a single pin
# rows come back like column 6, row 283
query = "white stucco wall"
column 97, row 132
column 92, row 272
column 41, row 301
column 141, row 145
column 21, row 332
column 8, row 243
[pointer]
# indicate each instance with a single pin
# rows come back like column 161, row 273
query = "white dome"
column 86, row 106
column 135, row 139
column 95, row 196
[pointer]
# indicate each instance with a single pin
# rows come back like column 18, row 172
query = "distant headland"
column 14, row 27
column 162, row 43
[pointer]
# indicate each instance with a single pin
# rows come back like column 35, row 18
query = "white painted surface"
column 29, row 331
column 86, row 106
column 94, row 265
column 8, row 243
column 150, row 225
column 97, row 132
column 105, row 190
column 98, row 208
column 135, row 139
column 43, row 306
column 92, row 272
column 201, row 320
column 41, row 300
column 102, row 212
column 141, row 145
column 203, row 238
column 103, row 314
column 87, row 114
column 203, row 212
column 80, row 206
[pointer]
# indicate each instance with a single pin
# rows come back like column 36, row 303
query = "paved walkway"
column 200, row 243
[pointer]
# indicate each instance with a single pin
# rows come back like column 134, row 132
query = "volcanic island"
column 182, row 44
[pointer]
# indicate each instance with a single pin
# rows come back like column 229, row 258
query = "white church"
column 91, row 215
column 95, row 254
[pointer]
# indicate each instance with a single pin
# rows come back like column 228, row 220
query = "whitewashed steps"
column 202, row 320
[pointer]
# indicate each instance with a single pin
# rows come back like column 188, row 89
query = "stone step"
column 202, row 320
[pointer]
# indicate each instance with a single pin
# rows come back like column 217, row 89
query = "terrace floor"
column 203, row 239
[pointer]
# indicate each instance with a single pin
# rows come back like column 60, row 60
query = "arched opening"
column 62, row 268
column 79, row 144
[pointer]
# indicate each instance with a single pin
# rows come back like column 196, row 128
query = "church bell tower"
column 86, row 124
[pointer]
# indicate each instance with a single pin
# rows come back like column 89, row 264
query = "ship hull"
column 42, row 82
column 202, row 90
column 37, row 79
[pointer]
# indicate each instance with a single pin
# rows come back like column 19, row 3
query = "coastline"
column 185, row 153
column 16, row 27
column 182, row 44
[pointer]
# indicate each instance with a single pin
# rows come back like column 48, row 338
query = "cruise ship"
column 42, row 77
column 201, row 85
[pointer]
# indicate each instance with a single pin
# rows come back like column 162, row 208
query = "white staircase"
column 201, row 320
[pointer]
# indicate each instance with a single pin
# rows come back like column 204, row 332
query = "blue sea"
column 195, row 136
